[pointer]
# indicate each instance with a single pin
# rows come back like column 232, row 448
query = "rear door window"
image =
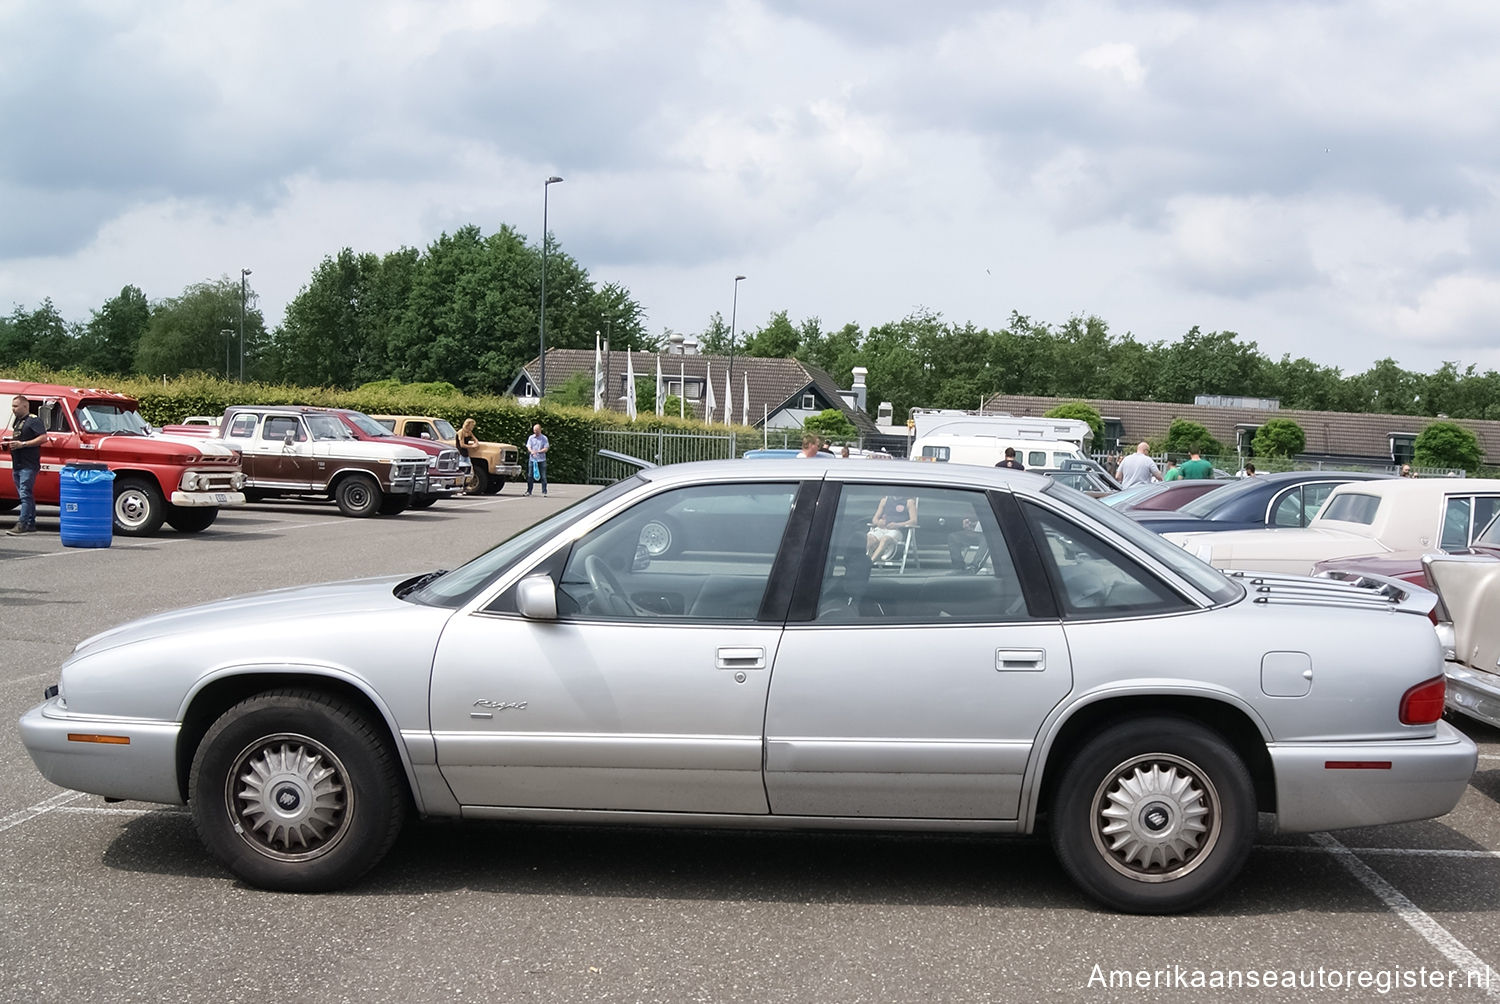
column 1094, row 579
column 243, row 427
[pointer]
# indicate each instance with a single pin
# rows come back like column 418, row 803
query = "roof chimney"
column 860, row 391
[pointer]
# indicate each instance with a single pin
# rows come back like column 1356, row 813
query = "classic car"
column 1091, row 483
column 1470, row 589
column 1283, row 499
column 1160, row 496
column 763, row 674
column 491, row 464
column 158, row 478
column 1408, row 565
column 1359, row 520
column 303, row 452
column 448, row 471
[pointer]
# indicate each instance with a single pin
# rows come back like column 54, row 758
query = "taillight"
column 1423, row 704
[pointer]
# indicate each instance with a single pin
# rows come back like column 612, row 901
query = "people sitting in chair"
column 888, row 527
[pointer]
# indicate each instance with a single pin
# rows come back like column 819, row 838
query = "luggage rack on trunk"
column 1337, row 589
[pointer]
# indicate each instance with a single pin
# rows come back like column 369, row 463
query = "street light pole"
column 228, row 335
column 541, row 324
column 734, row 307
column 244, row 272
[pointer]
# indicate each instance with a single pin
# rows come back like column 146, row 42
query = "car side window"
column 418, row 430
column 1456, row 517
column 701, row 553
column 277, row 426
column 1288, row 511
column 1036, row 458
column 1094, row 579
column 917, row 555
column 1313, row 497
column 1485, row 507
column 243, row 427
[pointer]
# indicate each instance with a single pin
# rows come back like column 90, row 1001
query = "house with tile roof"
column 1332, row 436
column 782, row 393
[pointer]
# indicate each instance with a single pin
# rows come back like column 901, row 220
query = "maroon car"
column 446, row 473
column 1162, row 496
column 1407, row 565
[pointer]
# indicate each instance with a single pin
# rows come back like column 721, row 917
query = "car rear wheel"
column 139, row 506
column 357, row 495
column 1155, row 815
column 194, row 519
column 296, row 791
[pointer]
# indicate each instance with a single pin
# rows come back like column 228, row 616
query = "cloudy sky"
column 1321, row 177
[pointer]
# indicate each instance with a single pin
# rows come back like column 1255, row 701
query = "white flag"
column 709, row 404
column 728, row 401
column 629, row 385
column 598, row 375
column 661, row 401
column 682, row 391
column 745, row 399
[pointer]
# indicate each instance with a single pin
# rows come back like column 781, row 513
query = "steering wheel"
column 606, row 587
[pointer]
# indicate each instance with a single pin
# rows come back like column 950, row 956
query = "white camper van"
column 956, row 437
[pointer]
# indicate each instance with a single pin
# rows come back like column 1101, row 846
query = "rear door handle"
column 1020, row 660
column 740, row 658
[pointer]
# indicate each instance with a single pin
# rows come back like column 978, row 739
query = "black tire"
column 394, row 505
column 139, row 506
column 423, row 501
column 1194, row 841
column 326, row 829
column 194, row 519
column 357, row 495
column 479, row 479
column 251, row 495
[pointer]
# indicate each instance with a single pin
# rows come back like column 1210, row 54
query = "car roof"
column 791, row 469
column 1425, row 486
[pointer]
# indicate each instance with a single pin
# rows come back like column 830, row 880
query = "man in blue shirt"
column 536, row 470
column 25, row 449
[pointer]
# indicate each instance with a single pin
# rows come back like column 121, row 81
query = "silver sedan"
column 783, row 644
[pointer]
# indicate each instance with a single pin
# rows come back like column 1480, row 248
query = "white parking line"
column 1413, row 852
column 55, row 802
column 111, row 810
column 1488, row 756
column 1415, row 917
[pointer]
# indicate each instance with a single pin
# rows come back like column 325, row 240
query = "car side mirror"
column 536, row 598
column 426, row 435
column 287, row 439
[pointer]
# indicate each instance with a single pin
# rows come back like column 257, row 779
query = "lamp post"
column 244, row 273
column 228, row 335
column 734, row 307
column 541, row 323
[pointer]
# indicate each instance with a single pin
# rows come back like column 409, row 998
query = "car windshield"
column 457, row 587
column 364, row 423
column 445, row 430
column 1131, row 495
column 1211, row 501
column 1207, row 579
column 97, row 416
column 327, row 427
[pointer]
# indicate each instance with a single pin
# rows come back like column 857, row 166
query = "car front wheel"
column 296, row 791
column 1155, row 815
column 139, row 507
column 357, row 495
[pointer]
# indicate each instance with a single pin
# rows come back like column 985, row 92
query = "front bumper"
column 1425, row 779
column 143, row 767
column 1474, row 694
column 511, row 471
column 200, row 500
column 445, row 486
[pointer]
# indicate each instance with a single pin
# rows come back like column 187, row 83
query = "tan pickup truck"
column 493, row 463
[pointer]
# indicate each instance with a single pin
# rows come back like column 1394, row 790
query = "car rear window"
column 1351, row 507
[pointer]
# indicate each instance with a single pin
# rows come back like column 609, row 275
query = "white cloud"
column 1118, row 58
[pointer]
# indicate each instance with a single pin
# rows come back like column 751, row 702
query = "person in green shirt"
column 1173, row 472
column 1196, row 468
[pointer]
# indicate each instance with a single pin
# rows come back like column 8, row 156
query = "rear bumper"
column 201, row 500
column 1474, row 694
column 144, row 767
column 1426, row 778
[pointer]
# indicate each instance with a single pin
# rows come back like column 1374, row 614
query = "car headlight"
column 432, row 463
column 189, row 482
column 237, row 482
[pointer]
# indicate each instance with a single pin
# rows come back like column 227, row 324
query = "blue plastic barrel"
column 87, row 500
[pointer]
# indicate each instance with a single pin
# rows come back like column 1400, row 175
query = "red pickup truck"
column 158, row 479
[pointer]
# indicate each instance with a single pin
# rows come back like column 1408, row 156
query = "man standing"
column 1010, row 462
column 1139, row 468
column 536, row 470
column 25, row 449
column 1196, row 468
column 810, row 446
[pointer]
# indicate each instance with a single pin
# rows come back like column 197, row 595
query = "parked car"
column 491, row 464
column 157, row 478
column 1095, row 484
column 301, row 452
column 448, row 471
column 1284, row 499
column 1470, row 589
column 1161, row 496
column 1408, row 566
column 763, row 674
column 1360, row 519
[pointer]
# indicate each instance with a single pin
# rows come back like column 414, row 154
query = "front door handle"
column 1020, row 660
column 740, row 658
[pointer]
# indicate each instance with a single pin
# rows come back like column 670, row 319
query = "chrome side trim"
column 739, row 821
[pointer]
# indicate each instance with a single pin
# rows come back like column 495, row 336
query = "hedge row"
column 497, row 419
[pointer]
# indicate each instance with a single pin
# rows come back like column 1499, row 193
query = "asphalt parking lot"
column 120, row 902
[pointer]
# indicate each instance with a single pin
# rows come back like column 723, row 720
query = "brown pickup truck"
column 493, row 463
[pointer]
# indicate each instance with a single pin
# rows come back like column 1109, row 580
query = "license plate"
column 221, row 498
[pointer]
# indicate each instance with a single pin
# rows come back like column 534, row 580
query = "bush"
column 1446, row 444
column 832, row 425
column 1279, row 437
column 1085, row 412
column 1183, row 436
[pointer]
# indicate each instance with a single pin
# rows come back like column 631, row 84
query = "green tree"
column 778, row 339
column 832, row 425
column 109, row 341
column 714, row 341
column 1447, row 444
column 186, row 333
column 1279, row 437
column 834, row 352
column 1084, row 412
column 1213, row 363
column 1185, row 435
column 577, row 391
column 40, row 336
column 325, row 336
